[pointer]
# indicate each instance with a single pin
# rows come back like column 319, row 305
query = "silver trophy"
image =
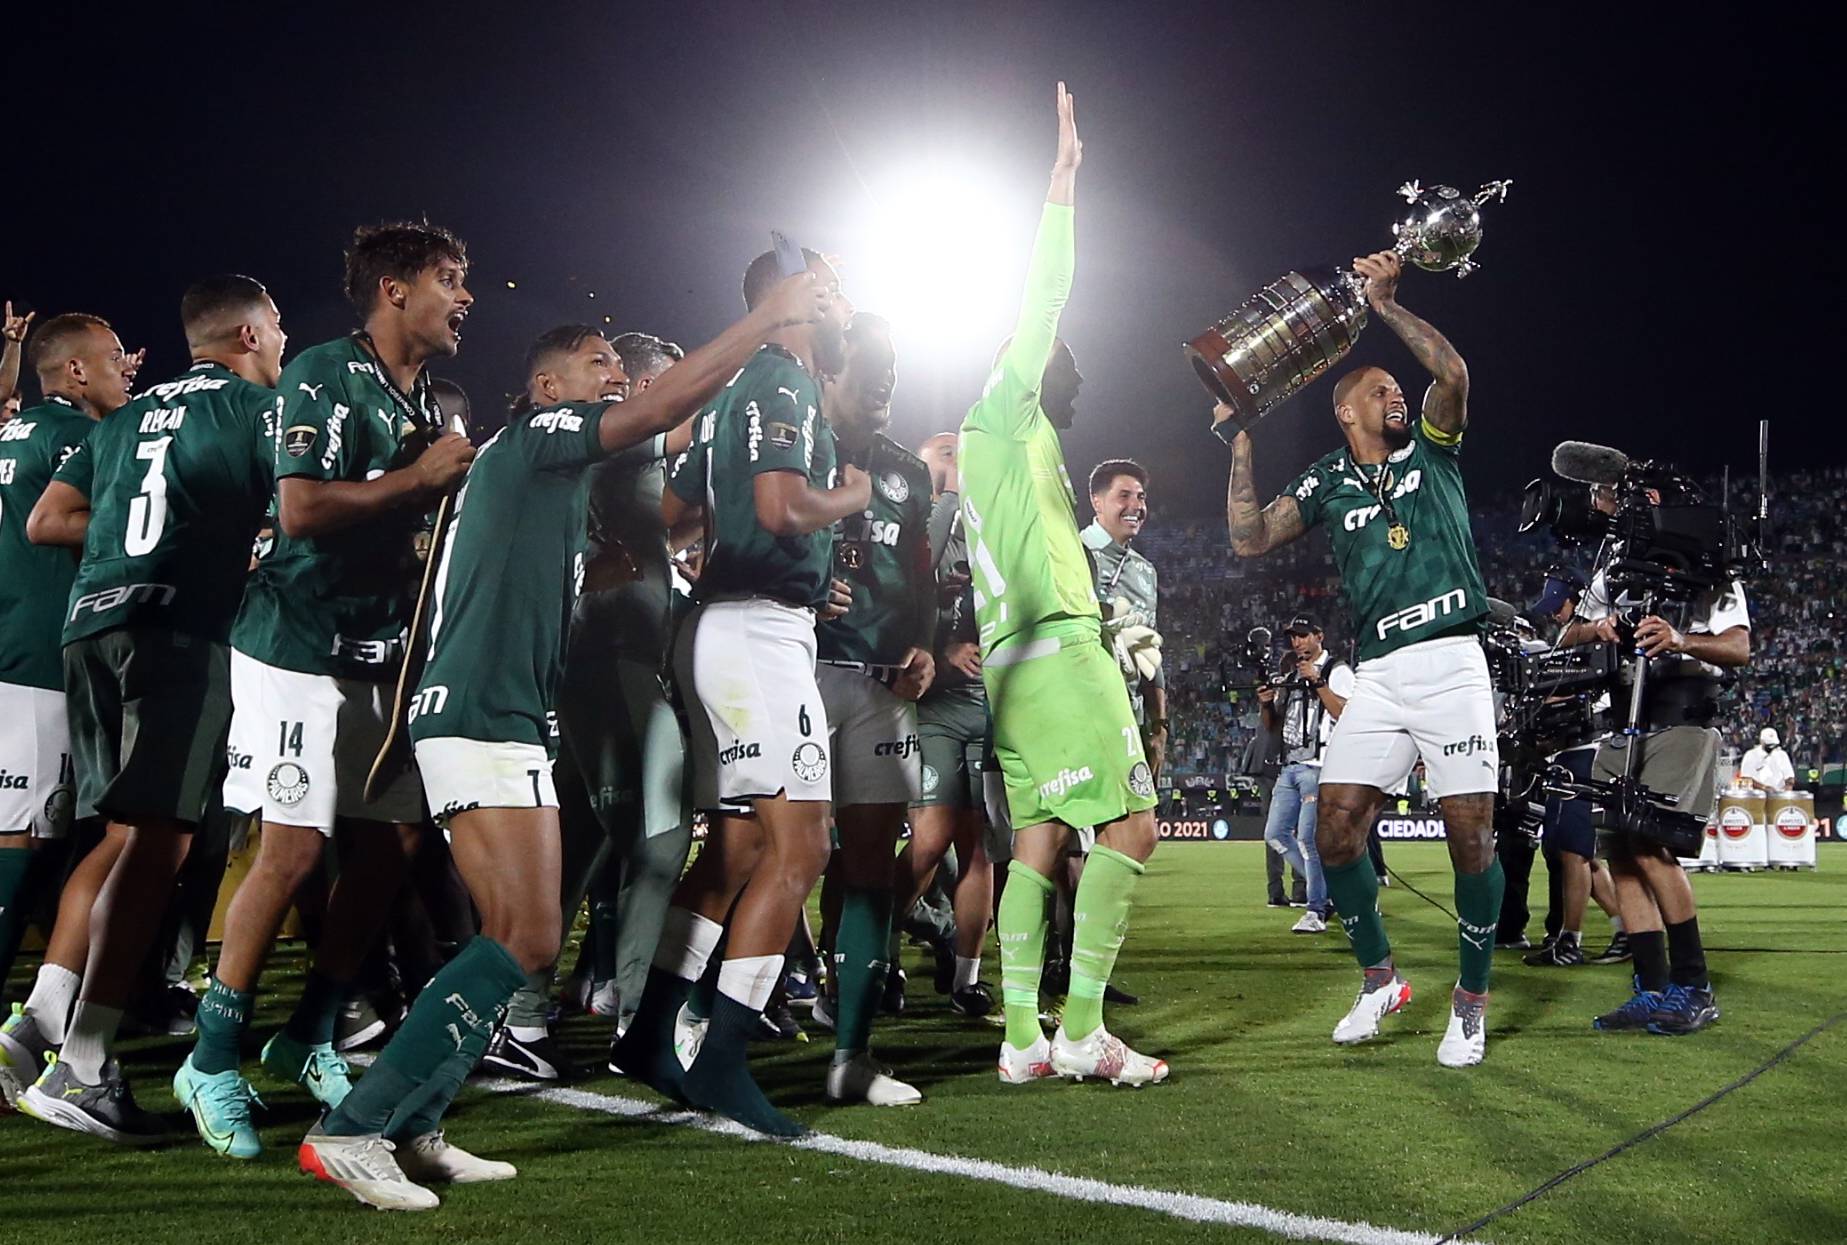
column 1300, row 325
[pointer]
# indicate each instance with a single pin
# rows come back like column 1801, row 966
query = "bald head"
column 1344, row 387
column 78, row 357
column 939, row 454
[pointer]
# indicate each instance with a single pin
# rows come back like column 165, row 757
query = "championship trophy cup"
column 1295, row 328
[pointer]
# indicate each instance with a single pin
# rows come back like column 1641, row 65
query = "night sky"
column 1657, row 279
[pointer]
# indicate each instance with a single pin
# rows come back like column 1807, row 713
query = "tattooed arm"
column 1255, row 531
column 1446, row 402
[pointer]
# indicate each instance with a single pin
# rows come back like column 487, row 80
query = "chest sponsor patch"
column 298, row 440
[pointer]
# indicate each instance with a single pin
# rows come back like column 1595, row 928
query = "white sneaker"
column 688, row 1037
column 430, row 1158
column 363, row 1166
column 605, row 1000
column 1312, row 922
column 1465, row 1042
column 1017, row 1067
column 1369, row 1008
column 1103, row 1054
column 863, row 1079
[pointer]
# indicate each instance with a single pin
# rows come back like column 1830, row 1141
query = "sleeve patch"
column 299, row 439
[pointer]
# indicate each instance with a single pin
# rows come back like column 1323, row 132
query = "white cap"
column 1767, row 737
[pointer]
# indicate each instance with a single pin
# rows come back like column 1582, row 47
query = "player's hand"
column 839, row 600
column 919, row 673
column 1381, row 270
column 1306, row 669
column 1221, row 413
column 1656, row 637
column 14, row 328
column 1266, row 694
column 800, row 299
column 855, row 479
column 1606, row 629
column 1156, row 747
column 444, row 461
column 964, row 655
column 1070, row 150
column 131, row 364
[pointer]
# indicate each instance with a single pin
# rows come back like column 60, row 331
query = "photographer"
column 1304, row 702
column 1686, row 657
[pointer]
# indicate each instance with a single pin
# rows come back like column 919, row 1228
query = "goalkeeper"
column 1068, row 745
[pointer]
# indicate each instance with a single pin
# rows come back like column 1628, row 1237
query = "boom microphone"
column 1589, row 464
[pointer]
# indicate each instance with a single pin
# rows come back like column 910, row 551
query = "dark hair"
column 545, row 347
column 58, row 334
column 644, row 354
column 401, row 250
column 763, row 274
column 1109, row 469
column 209, row 303
column 864, row 322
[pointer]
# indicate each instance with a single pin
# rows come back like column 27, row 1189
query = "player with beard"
column 84, row 374
column 483, row 722
column 1064, row 733
column 164, row 499
column 873, row 663
column 763, row 466
column 1397, row 517
column 360, row 460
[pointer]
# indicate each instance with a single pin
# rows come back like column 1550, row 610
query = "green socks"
column 1099, row 922
column 222, row 1017
column 1021, row 922
column 861, row 963
column 1478, row 912
column 1353, row 889
column 316, row 1010
column 449, row 1023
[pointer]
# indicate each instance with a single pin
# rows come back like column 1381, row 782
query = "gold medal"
column 1398, row 536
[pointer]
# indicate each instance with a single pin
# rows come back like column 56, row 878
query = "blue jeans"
column 1290, row 831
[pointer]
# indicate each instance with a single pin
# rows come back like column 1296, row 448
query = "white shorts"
column 873, row 733
column 461, row 774
column 758, row 724
column 1430, row 699
column 38, row 787
column 301, row 746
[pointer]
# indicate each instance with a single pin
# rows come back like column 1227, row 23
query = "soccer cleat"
column 1617, row 952
column 220, row 1107
column 430, row 1158
column 1466, row 1040
column 605, row 1000
column 1635, row 1014
column 1683, row 1010
column 863, row 1079
column 974, row 1000
column 1112, row 993
column 825, row 1005
column 106, row 1110
column 1561, row 953
column 528, row 1059
column 799, row 984
column 1519, row 942
column 317, row 1069
column 358, row 1023
column 22, row 1054
column 1018, row 1067
column 1104, row 1055
column 892, row 1003
column 1369, row 1008
column 1312, row 922
column 777, row 1024
column 365, row 1168
column 1277, row 901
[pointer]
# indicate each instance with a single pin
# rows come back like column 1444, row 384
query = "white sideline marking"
column 1076, row 1188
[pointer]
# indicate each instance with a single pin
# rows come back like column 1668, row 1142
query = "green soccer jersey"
column 507, row 581
column 1029, row 566
column 767, row 419
column 178, row 481
column 338, row 603
column 35, row 580
column 883, row 554
column 1410, row 580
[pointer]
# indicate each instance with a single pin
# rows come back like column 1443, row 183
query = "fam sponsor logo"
column 897, row 747
column 1065, row 780
column 106, row 600
column 432, row 699
column 366, row 652
column 739, row 751
column 1422, row 614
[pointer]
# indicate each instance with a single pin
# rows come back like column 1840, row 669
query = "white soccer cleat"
column 1371, row 1007
column 430, row 1158
column 1019, row 1067
column 1465, row 1042
column 1312, row 922
column 863, row 1079
column 365, row 1168
column 688, row 1037
column 1104, row 1055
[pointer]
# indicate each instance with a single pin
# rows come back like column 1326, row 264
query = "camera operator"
column 1679, row 753
column 1304, row 702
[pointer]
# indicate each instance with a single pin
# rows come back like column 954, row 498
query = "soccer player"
column 1064, row 733
column 84, row 374
column 13, row 330
column 316, row 650
column 482, row 721
column 1395, row 511
column 873, row 663
column 764, row 467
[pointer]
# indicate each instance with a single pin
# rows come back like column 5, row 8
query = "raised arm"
column 13, row 329
column 1255, row 530
column 1446, row 402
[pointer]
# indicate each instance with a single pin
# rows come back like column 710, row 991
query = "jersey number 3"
column 147, row 513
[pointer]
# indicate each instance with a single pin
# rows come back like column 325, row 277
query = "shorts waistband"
column 755, row 598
